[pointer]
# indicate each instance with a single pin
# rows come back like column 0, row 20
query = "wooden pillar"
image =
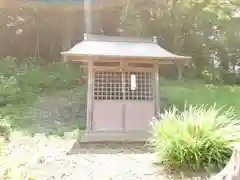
column 90, row 96
column 157, row 88
column 122, row 65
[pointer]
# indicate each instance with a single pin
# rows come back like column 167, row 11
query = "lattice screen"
column 144, row 86
column 110, row 86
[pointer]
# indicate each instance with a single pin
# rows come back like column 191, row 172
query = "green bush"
column 8, row 66
column 15, row 174
column 9, row 90
column 44, row 79
column 230, row 78
column 63, row 75
column 35, row 80
column 31, row 77
column 1, row 143
column 195, row 138
column 5, row 127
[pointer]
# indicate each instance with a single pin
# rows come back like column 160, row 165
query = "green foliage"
column 45, row 79
column 22, row 84
column 222, row 9
column 19, row 80
column 1, row 143
column 212, row 76
column 5, row 127
column 15, row 174
column 205, row 30
column 208, row 77
column 8, row 66
column 9, row 90
column 195, row 138
column 231, row 78
column 64, row 76
column 198, row 93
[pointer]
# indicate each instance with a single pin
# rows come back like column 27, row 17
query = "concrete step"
column 114, row 137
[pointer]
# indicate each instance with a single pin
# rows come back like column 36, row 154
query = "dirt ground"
column 56, row 158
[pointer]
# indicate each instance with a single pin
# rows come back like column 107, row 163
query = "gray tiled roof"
column 121, row 46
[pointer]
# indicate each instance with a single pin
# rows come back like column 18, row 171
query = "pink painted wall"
column 107, row 116
column 122, row 115
column 138, row 115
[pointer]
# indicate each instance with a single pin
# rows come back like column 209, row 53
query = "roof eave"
column 150, row 57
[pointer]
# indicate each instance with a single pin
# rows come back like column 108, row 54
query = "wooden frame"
column 123, row 65
column 93, row 64
column 126, row 65
column 90, row 96
column 163, row 60
column 157, row 89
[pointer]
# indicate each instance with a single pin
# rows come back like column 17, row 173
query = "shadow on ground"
column 108, row 148
column 138, row 155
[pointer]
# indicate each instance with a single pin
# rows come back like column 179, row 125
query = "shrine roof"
column 98, row 45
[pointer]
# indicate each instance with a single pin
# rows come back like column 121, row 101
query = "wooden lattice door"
column 139, row 107
column 108, row 97
column 119, row 107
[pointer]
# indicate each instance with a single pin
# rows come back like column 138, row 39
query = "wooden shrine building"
column 123, row 85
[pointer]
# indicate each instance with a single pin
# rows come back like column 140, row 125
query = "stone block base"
column 114, row 137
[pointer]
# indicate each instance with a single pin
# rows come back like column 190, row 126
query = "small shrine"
column 123, row 85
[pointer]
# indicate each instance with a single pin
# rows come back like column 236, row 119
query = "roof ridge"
column 94, row 37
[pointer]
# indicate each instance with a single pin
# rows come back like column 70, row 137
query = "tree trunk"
column 67, row 34
column 232, row 169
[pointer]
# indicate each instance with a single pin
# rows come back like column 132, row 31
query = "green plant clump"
column 23, row 82
column 9, row 90
column 15, row 174
column 197, row 138
column 5, row 127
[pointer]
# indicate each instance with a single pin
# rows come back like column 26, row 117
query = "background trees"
column 207, row 30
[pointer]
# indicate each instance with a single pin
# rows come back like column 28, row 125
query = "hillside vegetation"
column 33, row 96
column 185, row 93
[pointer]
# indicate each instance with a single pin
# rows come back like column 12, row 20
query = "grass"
column 197, row 138
column 173, row 139
column 183, row 94
column 48, row 122
column 22, row 87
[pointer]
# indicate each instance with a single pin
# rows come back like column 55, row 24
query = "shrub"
column 9, row 90
column 63, row 75
column 5, row 127
column 54, row 77
column 8, row 66
column 35, row 80
column 15, row 174
column 1, row 143
column 195, row 138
